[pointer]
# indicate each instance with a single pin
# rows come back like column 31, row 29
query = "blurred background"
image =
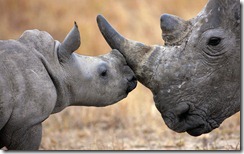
column 133, row 123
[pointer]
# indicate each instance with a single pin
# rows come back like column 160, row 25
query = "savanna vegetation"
column 134, row 123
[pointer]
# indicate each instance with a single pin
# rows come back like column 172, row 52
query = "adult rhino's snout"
column 183, row 118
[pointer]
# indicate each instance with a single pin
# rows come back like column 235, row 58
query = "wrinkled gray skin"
column 40, row 76
column 195, row 78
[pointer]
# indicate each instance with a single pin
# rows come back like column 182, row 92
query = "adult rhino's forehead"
column 37, row 39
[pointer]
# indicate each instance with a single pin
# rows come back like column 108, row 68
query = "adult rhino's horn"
column 70, row 44
column 174, row 29
column 133, row 51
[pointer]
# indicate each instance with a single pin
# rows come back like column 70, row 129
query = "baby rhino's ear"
column 70, row 44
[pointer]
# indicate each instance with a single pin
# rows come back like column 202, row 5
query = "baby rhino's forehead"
column 37, row 39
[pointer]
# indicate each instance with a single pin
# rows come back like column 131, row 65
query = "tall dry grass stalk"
column 133, row 123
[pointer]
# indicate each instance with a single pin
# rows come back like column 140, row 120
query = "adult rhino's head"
column 195, row 77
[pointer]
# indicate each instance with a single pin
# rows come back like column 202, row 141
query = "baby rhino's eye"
column 103, row 70
column 104, row 73
column 214, row 41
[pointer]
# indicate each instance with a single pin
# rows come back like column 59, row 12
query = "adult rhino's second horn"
column 135, row 52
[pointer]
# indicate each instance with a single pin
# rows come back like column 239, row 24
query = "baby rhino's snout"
column 126, row 71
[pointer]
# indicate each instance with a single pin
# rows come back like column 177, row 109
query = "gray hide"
column 195, row 78
column 40, row 76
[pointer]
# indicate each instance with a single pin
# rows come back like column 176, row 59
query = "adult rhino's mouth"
column 199, row 130
column 185, row 118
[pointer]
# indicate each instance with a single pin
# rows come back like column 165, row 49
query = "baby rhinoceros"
column 195, row 78
column 40, row 76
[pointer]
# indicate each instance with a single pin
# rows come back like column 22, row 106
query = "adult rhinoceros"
column 40, row 76
column 195, row 78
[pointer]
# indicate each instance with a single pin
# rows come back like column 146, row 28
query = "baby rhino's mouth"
column 183, row 119
column 132, row 83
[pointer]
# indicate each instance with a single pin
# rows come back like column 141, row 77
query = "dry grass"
column 133, row 123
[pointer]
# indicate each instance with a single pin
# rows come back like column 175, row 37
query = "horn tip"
column 75, row 24
column 99, row 16
column 100, row 19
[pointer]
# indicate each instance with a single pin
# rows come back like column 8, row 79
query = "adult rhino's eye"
column 214, row 41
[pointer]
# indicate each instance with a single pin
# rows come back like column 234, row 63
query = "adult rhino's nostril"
column 175, row 118
column 181, row 111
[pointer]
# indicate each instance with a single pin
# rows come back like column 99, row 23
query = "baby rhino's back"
column 27, row 94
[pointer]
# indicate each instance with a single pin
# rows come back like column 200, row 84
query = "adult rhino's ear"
column 220, row 12
column 70, row 44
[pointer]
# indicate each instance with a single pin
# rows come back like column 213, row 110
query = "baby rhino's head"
column 102, row 80
column 94, row 81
